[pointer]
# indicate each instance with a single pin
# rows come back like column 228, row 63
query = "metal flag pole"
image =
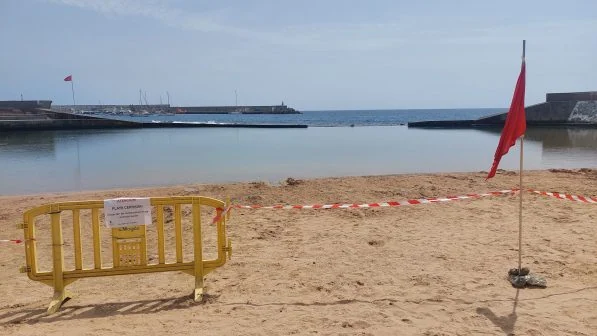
column 72, row 87
column 520, row 188
column 521, row 277
column 520, row 209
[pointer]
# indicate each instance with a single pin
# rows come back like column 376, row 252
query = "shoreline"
column 422, row 269
column 154, row 189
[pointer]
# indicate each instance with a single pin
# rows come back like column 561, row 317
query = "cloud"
column 405, row 31
column 153, row 9
column 318, row 36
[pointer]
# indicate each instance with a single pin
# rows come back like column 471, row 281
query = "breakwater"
column 266, row 109
column 29, row 116
column 571, row 109
column 137, row 110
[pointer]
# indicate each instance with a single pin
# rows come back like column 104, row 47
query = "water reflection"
column 552, row 138
column 558, row 137
column 27, row 143
column 562, row 147
column 34, row 162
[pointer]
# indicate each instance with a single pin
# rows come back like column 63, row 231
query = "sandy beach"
column 429, row 269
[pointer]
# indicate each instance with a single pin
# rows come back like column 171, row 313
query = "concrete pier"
column 32, row 115
column 571, row 109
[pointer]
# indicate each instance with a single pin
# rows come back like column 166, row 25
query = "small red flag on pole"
column 514, row 128
column 69, row 78
column 515, row 124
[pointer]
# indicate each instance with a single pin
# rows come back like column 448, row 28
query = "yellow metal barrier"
column 129, row 244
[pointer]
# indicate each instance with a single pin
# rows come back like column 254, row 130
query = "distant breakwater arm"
column 265, row 109
column 36, row 119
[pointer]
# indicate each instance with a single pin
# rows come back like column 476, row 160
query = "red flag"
column 515, row 124
column 68, row 78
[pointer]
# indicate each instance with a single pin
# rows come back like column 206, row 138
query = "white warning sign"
column 123, row 212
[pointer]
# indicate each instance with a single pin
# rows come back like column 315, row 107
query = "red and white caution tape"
column 381, row 204
column 221, row 213
column 16, row 241
column 224, row 212
column 569, row 197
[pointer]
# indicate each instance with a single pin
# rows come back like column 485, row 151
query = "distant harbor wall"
column 265, row 109
column 165, row 108
column 33, row 118
column 559, row 109
column 111, row 108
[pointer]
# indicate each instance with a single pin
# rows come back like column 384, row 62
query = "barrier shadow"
column 39, row 315
column 506, row 323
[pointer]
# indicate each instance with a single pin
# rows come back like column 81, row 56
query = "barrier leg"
column 59, row 298
column 198, row 253
column 60, row 294
column 198, row 293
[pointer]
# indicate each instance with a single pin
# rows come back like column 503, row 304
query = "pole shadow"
column 506, row 323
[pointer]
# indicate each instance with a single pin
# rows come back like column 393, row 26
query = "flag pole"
column 520, row 209
column 520, row 185
column 72, row 87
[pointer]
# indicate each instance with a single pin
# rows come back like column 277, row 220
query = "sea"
column 336, row 143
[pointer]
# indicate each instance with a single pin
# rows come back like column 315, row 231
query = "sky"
column 310, row 54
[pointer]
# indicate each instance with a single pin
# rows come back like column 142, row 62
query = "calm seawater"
column 329, row 118
column 56, row 161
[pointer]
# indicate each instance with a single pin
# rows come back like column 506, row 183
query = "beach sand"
column 429, row 269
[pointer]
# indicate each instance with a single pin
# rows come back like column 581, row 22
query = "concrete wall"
column 560, row 109
column 12, row 114
column 555, row 112
column 25, row 104
column 584, row 112
column 38, row 114
column 52, row 124
column 45, row 119
column 571, row 96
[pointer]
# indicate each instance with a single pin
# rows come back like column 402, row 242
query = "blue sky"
column 311, row 54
